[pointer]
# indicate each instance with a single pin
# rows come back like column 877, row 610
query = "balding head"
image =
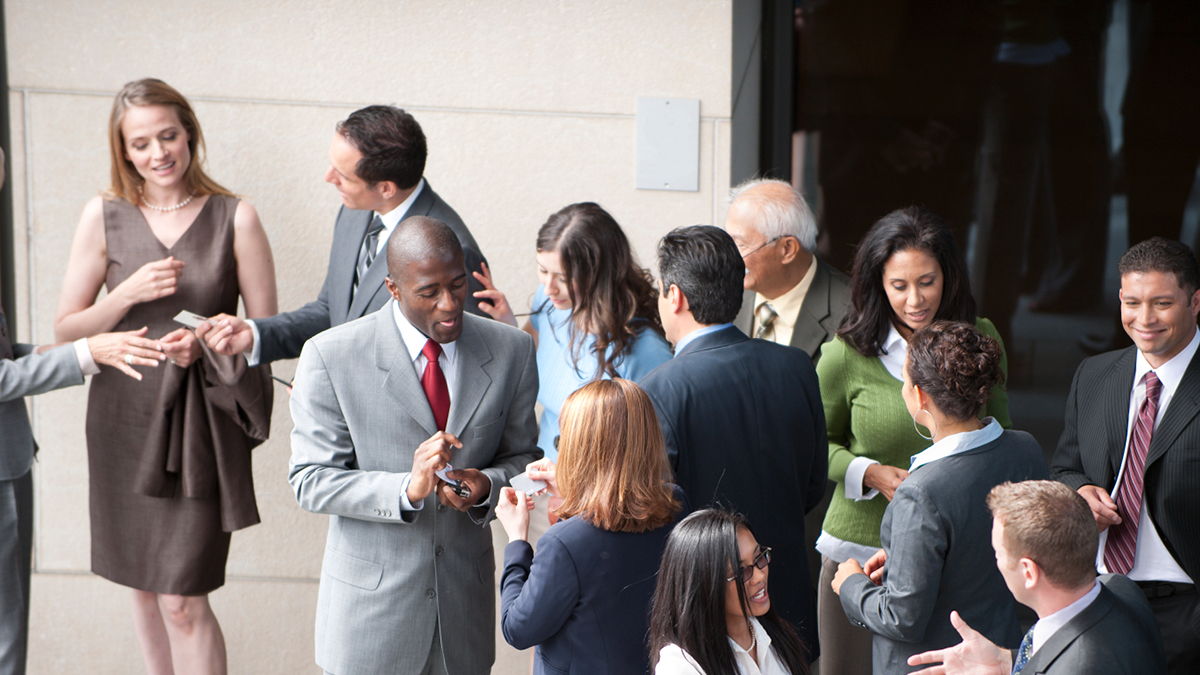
column 427, row 277
column 420, row 238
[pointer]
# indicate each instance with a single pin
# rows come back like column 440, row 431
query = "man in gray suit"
column 26, row 370
column 407, row 586
column 792, row 298
column 376, row 162
column 1045, row 541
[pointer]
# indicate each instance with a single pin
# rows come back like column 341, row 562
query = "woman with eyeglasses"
column 584, row 599
column 936, row 532
column 712, row 608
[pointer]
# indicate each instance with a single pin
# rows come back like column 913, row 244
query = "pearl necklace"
column 167, row 209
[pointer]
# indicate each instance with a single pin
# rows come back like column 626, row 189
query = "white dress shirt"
column 390, row 220
column 415, row 341
column 1151, row 560
column 1046, row 627
column 787, row 309
column 672, row 660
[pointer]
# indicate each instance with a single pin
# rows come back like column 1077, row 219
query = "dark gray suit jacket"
column 1115, row 635
column 1093, row 442
column 937, row 532
column 826, row 302
column 282, row 336
column 744, row 429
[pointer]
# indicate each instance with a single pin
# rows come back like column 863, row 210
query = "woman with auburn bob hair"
column 584, row 599
column 712, row 608
column 169, row 456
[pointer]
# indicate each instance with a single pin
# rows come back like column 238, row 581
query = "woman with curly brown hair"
column 936, row 531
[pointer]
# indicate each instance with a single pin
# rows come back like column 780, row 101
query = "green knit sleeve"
column 835, row 397
column 997, row 405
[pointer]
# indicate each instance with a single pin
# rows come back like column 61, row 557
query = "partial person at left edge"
column 377, row 164
column 28, row 370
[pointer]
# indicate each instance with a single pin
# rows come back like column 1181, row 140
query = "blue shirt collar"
column 700, row 332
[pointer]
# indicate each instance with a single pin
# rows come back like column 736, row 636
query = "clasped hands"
column 432, row 456
column 873, row 569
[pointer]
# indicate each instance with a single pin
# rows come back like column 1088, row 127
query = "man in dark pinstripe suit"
column 1131, row 443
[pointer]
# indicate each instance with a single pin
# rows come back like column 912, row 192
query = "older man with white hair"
column 792, row 298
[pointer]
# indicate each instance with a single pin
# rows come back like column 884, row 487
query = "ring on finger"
column 129, row 359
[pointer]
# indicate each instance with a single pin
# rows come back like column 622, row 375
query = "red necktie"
column 1122, row 539
column 433, row 381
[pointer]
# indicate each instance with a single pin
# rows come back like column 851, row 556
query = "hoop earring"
column 918, row 430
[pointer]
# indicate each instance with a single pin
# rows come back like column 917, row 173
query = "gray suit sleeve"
column 323, row 470
column 901, row 607
column 518, row 443
column 34, row 374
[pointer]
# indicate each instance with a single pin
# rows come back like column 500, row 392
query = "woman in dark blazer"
column 584, row 600
column 936, row 532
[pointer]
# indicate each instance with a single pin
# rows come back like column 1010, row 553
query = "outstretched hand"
column 226, row 334
column 112, row 349
column 499, row 310
column 975, row 655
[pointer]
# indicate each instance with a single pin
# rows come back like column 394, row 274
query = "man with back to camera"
column 792, row 297
column 407, row 586
column 376, row 162
column 742, row 419
column 1131, row 442
column 1044, row 536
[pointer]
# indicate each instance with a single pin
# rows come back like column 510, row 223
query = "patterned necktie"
column 433, row 381
column 366, row 254
column 1024, row 652
column 766, row 320
column 1122, row 539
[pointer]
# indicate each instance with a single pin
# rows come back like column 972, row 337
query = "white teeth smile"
column 759, row 595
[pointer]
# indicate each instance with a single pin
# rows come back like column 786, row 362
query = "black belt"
column 1164, row 589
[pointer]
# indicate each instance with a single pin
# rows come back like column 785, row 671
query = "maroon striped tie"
column 1122, row 539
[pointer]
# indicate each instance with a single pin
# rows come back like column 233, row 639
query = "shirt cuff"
column 83, row 354
column 854, row 479
column 255, row 353
column 405, row 505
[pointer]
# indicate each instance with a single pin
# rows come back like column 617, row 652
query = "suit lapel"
column 808, row 333
column 1117, row 384
column 1180, row 412
column 472, row 381
column 370, row 286
column 1046, row 655
column 345, row 258
column 401, row 383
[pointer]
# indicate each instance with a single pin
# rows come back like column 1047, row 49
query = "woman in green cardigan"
column 907, row 274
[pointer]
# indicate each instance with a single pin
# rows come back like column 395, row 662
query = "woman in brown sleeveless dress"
column 168, row 457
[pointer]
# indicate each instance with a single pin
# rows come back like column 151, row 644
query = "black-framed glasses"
column 760, row 561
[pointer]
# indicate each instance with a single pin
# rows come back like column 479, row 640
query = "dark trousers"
column 16, row 545
column 1179, row 621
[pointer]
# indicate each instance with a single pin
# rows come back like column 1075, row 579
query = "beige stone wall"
column 528, row 106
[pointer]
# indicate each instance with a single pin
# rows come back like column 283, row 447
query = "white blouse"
column 672, row 660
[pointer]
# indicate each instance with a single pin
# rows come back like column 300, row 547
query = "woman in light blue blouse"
column 595, row 313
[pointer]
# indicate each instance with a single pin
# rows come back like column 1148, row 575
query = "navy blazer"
column 745, row 430
column 584, row 599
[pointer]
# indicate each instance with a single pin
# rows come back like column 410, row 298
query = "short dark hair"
column 391, row 142
column 1163, row 255
column 1050, row 524
column 705, row 264
column 865, row 326
column 689, row 597
column 956, row 365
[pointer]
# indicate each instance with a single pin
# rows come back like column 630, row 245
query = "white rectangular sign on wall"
column 668, row 143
